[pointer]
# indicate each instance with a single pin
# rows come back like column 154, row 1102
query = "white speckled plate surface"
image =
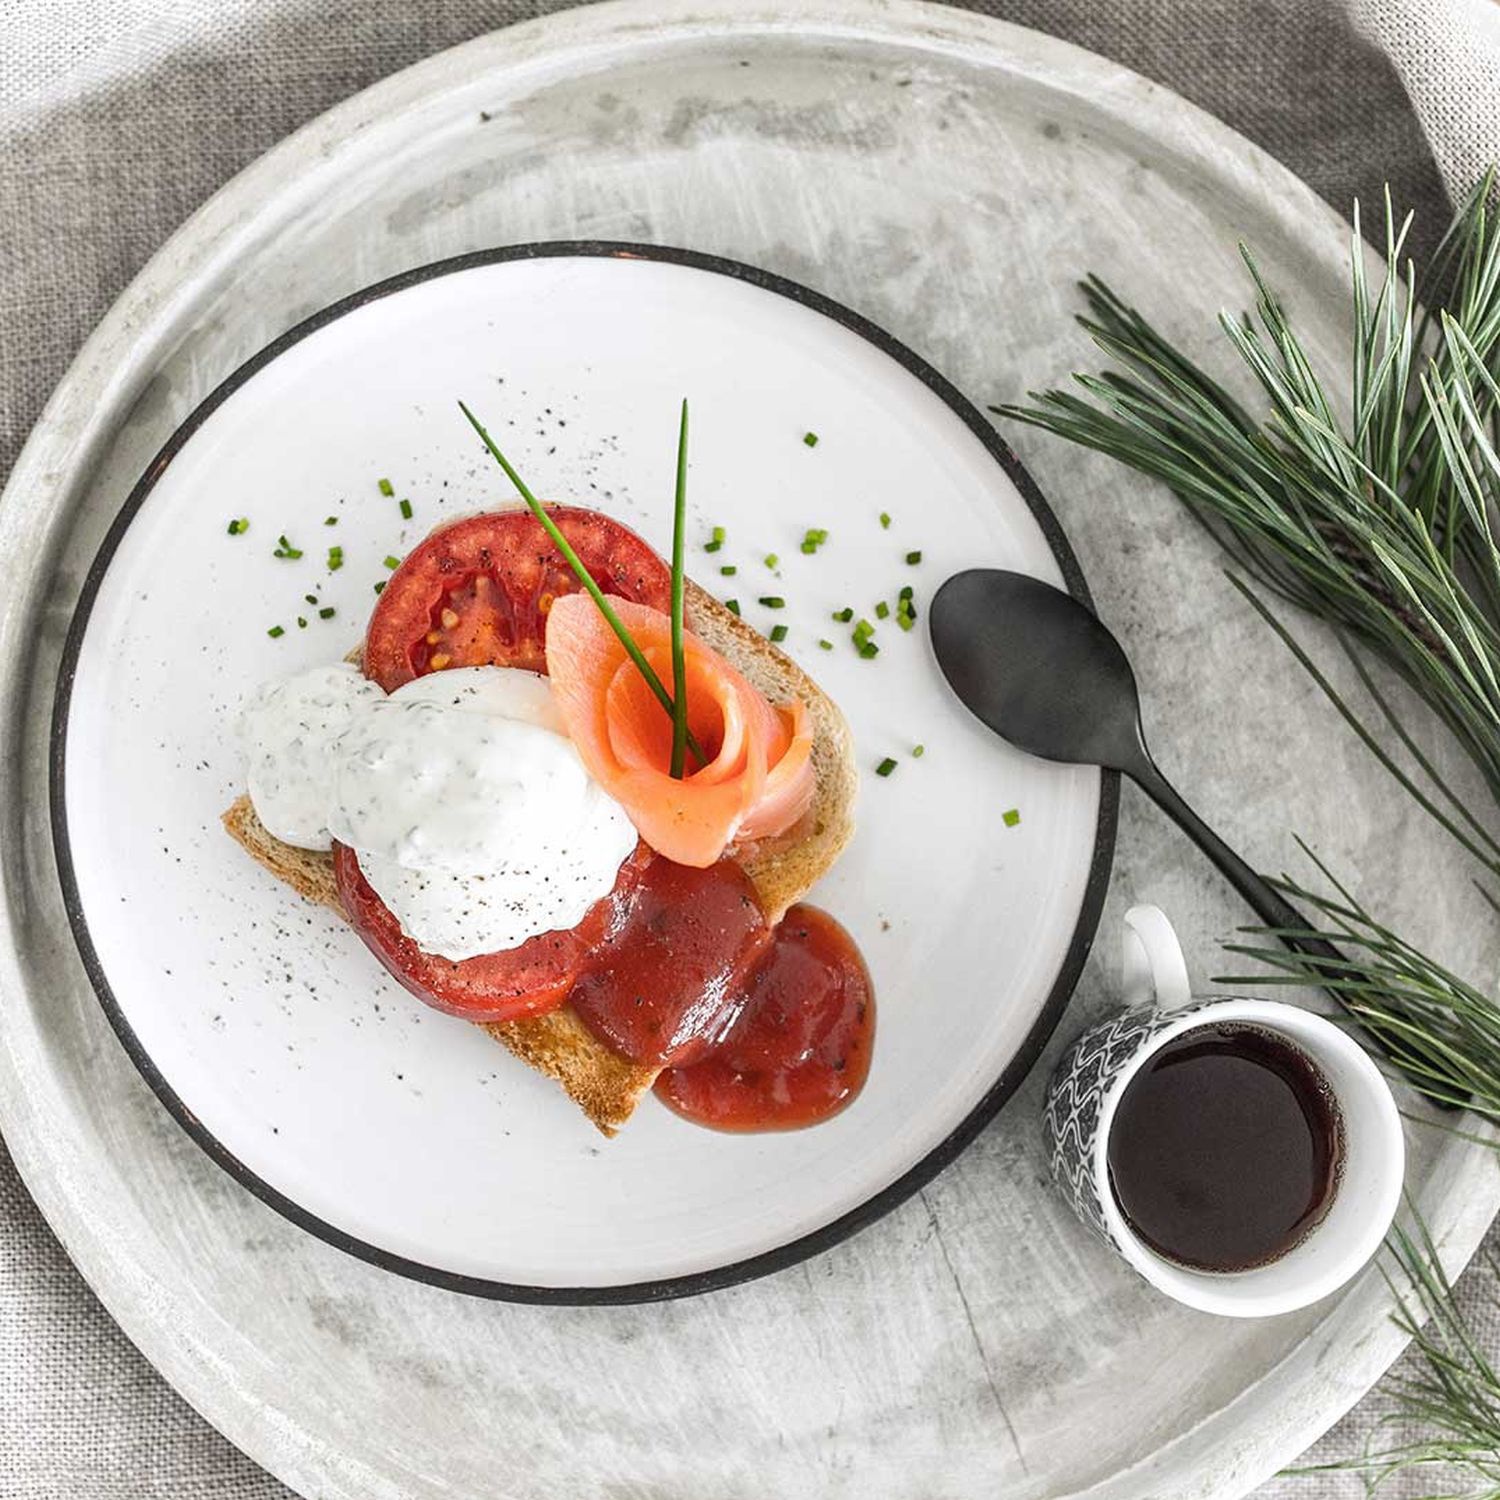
column 410, row 1137
column 948, row 177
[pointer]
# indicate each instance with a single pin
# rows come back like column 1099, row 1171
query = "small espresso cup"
column 1092, row 1077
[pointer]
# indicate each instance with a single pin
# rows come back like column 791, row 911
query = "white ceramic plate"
column 408, row 1137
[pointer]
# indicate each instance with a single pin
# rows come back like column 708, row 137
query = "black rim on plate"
column 793, row 1251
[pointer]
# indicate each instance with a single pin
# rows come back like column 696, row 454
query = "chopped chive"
column 810, row 438
column 380, row 587
column 885, row 767
column 327, row 612
column 772, row 601
column 813, row 538
column 311, row 598
column 335, row 559
column 918, row 751
column 862, row 632
column 778, row 632
column 406, row 510
column 906, row 611
column 393, row 563
column 276, row 630
column 386, row 488
column 1011, row 818
column 914, row 558
column 905, row 591
column 301, row 622
column 240, row 526
column 844, row 615
column 885, row 520
column 715, row 541
column 826, row 645
column 728, row 570
column 869, row 649
column 330, row 520
column 882, row 610
column 732, row 605
column 584, row 577
column 771, row 559
column 285, row 549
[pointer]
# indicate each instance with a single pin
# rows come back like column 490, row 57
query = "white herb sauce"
column 470, row 811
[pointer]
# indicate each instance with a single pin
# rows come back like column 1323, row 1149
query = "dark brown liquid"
column 1226, row 1148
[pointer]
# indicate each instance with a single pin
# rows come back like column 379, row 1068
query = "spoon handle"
column 1268, row 904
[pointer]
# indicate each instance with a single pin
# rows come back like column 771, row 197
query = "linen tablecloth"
column 119, row 117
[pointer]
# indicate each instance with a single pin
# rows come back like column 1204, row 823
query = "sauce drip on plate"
column 757, row 1028
column 800, row 1048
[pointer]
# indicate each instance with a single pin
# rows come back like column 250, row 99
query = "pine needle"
column 1380, row 522
column 1448, row 1386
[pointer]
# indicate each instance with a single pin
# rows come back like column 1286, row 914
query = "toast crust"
column 604, row 1085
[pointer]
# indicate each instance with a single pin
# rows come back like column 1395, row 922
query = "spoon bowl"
column 1038, row 668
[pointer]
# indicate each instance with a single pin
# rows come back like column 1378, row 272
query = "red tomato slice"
column 526, row 981
column 477, row 591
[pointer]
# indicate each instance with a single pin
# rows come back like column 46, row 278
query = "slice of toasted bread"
column 601, row 1082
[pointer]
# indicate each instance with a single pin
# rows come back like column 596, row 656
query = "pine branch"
column 1441, row 1032
column 1381, row 524
column 1449, row 1386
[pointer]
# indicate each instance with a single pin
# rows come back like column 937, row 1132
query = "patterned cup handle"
column 1157, row 991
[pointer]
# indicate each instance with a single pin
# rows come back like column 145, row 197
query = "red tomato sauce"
column 671, row 981
column 799, row 1050
column 756, row 1028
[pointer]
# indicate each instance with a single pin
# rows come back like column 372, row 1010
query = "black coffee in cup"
column 1226, row 1148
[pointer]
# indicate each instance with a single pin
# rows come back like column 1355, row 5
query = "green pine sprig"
column 1448, row 1386
column 1378, row 518
column 1442, row 1033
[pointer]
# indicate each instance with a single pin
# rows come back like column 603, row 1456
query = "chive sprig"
column 679, row 657
column 565, row 547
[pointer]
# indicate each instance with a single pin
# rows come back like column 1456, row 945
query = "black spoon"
column 1039, row 669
